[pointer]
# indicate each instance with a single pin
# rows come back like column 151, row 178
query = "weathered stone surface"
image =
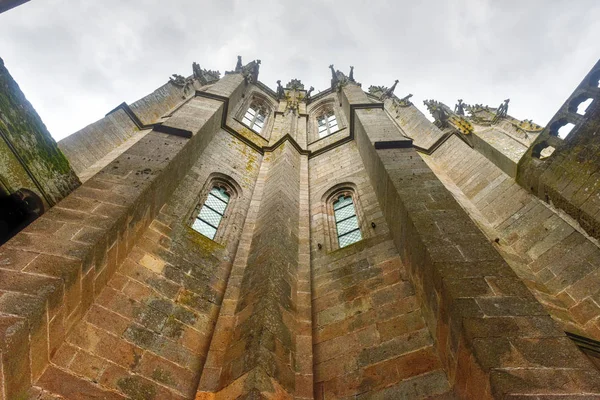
column 113, row 294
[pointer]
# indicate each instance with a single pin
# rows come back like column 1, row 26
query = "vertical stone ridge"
column 263, row 343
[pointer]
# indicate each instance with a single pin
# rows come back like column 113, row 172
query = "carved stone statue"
column 502, row 110
column 239, row 66
column 459, row 108
column 351, row 76
column 177, row 80
column 308, row 94
column 280, row 91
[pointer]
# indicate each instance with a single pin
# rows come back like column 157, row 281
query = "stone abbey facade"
column 221, row 240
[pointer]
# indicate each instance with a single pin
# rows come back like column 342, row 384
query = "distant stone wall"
column 29, row 157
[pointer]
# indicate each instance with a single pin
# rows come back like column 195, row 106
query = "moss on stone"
column 162, row 376
column 136, row 388
column 24, row 129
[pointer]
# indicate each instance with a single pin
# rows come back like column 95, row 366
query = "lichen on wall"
column 23, row 132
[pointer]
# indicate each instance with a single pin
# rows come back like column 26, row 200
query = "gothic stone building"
column 221, row 240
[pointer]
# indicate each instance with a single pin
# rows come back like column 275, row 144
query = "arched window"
column 255, row 116
column 346, row 220
column 561, row 128
column 327, row 123
column 209, row 217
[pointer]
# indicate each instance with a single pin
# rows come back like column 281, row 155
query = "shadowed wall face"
column 34, row 174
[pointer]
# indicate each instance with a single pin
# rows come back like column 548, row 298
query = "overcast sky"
column 78, row 59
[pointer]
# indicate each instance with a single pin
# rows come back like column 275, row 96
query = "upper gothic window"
column 327, row 124
column 255, row 117
column 209, row 218
column 346, row 221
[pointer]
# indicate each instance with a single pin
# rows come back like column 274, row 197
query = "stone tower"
column 233, row 242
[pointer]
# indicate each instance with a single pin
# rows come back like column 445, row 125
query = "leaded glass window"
column 208, row 219
column 346, row 222
column 255, row 118
column 327, row 124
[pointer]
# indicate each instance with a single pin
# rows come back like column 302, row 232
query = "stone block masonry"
column 370, row 338
column 147, row 334
column 464, row 285
column 112, row 294
column 29, row 157
column 80, row 243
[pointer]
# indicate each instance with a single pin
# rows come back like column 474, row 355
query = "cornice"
column 160, row 127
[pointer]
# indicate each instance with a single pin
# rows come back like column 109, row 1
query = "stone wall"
column 569, row 178
column 65, row 258
column 29, row 157
column 548, row 251
column 370, row 338
column 147, row 334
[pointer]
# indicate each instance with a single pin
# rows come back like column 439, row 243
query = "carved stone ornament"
column 438, row 112
column 250, row 71
column 280, row 91
column 377, row 90
column 308, row 94
column 404, row 102
column 295, row 84
column 177, row 80
column 459, row 108
column 339, row 80
column 502, row 110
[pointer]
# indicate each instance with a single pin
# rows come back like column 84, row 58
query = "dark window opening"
column 17, row 210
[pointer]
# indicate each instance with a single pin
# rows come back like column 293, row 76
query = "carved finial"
column 333, row 76
column 239, row 66
column 351, row 76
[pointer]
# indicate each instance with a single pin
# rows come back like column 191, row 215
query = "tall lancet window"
column 209, row 218
column 346, row 222
column 255, row 117
column 327, row 124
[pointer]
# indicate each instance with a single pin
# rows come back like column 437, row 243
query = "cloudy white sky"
column 78, row 59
